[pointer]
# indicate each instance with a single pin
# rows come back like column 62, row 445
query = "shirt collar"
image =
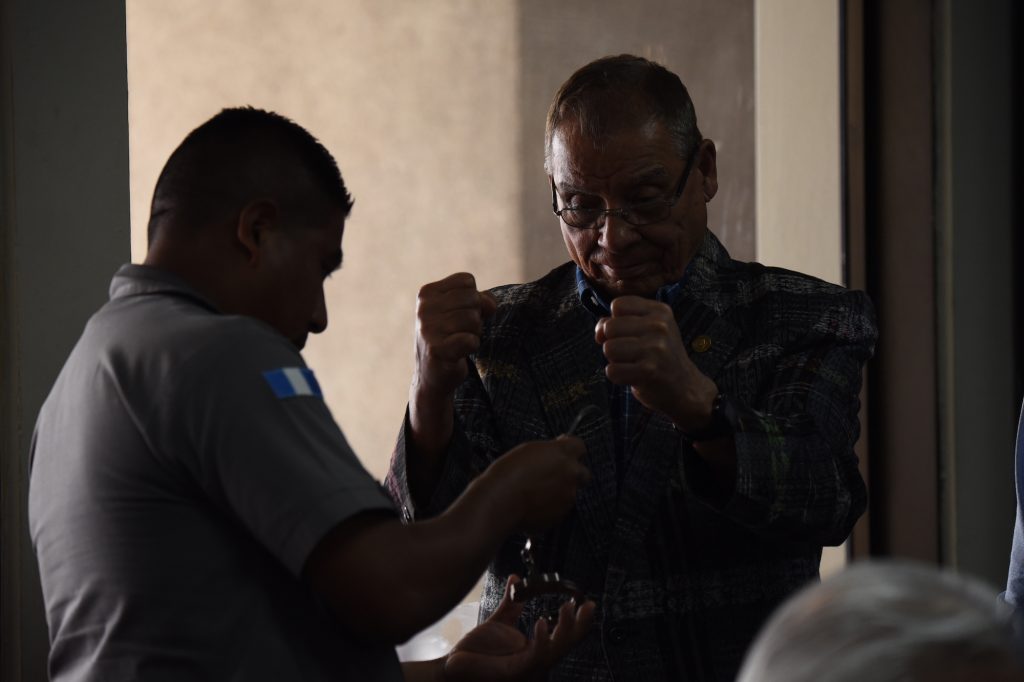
column 141, row 280
column 595, row 303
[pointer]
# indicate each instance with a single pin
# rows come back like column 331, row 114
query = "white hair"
column 886, row 621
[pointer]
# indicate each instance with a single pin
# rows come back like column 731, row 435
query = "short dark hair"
column 614, row 91
column 238, row 155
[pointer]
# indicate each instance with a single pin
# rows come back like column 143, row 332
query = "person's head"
column 622, row 133
column 250, row 209
column 887, row 622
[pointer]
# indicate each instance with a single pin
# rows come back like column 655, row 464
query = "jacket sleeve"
column 796, row 470
column 470, row 451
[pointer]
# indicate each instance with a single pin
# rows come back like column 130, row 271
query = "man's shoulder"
column 782, row 297
column 755, row 279
column 543, row 295
column 183, row 318
column 172, row 334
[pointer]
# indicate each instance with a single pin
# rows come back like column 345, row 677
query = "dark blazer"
column 684, row 570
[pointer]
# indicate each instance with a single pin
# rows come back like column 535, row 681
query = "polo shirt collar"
column 143, row 280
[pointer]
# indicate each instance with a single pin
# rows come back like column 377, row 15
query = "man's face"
column 296, row 261
column 630, row 167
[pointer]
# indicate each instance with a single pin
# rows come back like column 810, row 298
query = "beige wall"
column 435, row 111
column 799, row 212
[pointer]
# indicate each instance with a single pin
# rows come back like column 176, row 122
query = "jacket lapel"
column 568, row 371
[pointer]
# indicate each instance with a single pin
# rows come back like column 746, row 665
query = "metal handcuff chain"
column 537, row 582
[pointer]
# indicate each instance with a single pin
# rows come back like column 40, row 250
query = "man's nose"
column 318, row 322
column 616, row 234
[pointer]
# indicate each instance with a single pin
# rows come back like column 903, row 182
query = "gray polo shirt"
column 184, row 466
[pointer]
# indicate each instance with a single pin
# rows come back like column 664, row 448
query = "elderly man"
column 196, row 511
column 726, row 394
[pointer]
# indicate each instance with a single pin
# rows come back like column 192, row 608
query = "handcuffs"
column 537, row 582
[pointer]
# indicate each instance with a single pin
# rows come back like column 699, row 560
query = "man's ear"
column 707, row 164
column 254, row 221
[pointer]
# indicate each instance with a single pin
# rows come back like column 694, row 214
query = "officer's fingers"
column 572, row 446
column 508, row 611
column 563, row 629
column 582, row 476
column 541, row 646
column 572, row 626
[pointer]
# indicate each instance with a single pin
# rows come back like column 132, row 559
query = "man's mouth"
column 621, row 271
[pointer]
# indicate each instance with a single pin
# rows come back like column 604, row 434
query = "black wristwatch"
column 721, row 424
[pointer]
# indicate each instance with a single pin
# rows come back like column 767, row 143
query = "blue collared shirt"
column 595, row 303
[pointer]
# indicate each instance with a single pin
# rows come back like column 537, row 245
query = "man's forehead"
column 638, row 155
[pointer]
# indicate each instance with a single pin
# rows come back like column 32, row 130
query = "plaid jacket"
column 683, row 571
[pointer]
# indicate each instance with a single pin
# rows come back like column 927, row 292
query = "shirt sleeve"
column 262, row 444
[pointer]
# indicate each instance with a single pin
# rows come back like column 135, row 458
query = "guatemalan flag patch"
column 291, row 382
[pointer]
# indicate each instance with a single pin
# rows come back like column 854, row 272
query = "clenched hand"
column 644, row 350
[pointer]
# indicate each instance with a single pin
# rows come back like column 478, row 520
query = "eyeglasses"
column 643, row 213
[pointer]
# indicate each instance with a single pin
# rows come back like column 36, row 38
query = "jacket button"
column 701, row 344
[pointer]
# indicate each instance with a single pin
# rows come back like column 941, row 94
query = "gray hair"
column 886, row 621
column 611, row 93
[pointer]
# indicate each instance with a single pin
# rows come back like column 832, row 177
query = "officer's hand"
column 449, row 319
column 537, row 481
column 496, row 650
column 644, row 350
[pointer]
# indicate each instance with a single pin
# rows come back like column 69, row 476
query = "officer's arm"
column 387, row 580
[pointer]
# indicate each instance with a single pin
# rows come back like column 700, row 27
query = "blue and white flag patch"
column 291, row 382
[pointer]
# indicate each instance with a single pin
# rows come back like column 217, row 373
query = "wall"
column 798, row 137
column 64, row 230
